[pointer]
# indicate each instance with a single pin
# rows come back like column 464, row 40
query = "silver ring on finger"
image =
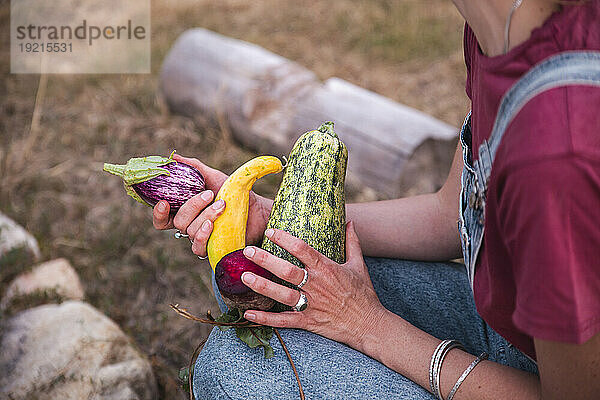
column 304, row 280
column 200, row 257
column 302, row 303
column 179, row 235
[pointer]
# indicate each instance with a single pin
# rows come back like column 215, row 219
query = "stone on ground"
column 13, row 237
column 56, row 276
column 70, row 351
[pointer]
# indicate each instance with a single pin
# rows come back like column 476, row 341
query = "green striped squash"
column 310, row 203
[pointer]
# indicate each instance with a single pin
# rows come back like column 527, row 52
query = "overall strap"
column 564, row 69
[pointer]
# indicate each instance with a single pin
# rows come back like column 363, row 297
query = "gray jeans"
column 435, row 297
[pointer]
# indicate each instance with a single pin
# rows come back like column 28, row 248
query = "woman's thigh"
column 435, row 297
column 228, row 369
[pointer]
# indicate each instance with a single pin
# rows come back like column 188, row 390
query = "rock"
column 70, row 351
column 13, row 237
column 57, row 276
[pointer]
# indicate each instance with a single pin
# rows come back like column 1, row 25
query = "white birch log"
column 268, row 101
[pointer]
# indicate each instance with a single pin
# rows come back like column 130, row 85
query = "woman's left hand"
column 342, row 303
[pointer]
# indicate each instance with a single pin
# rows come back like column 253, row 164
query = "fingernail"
column 249, row 251
column 162, row 207
column 249, row 316
column 248, row 277
column 206, row 195
column 218, row 204
column 206, row 226
column 269, row 232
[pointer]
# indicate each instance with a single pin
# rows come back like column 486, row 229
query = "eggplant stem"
column 115, row 169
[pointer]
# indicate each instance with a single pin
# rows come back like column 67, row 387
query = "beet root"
column 228, row 275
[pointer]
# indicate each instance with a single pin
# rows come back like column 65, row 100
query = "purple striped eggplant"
column 152, row 179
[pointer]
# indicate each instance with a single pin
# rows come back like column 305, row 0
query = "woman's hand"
column 342, row 303
column 196, row 218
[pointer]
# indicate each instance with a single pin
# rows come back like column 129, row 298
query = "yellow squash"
column 229, row 231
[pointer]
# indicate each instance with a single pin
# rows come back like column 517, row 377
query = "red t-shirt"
column 538, row 273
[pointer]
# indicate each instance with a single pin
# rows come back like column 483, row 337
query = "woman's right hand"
column 196, row 216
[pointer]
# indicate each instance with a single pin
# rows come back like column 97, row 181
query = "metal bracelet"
column 451, row 344
column 432, row 364
column 482, row 356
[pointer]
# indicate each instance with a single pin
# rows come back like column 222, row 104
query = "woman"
column 374, row 327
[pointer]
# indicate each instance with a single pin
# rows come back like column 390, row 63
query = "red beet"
column 228, row 275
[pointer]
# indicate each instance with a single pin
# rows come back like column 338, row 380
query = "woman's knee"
column 226, row 368
column 208, row 372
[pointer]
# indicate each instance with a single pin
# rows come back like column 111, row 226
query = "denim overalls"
column 568, row 68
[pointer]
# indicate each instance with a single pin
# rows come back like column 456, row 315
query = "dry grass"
column 50, row 179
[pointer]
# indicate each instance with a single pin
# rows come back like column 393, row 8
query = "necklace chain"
column 514, row 7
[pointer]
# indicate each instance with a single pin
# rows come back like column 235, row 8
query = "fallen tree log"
column 268, row 101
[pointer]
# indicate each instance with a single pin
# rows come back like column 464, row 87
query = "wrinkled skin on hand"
column 342, row 303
